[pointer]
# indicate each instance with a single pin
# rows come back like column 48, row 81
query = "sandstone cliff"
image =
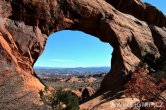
column 25, row 25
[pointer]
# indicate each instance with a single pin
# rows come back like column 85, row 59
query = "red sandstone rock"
column 87, row 92
column 144, row 12
column 75, row 92
column 25, row 24
column 90, row 79
column 72, row 79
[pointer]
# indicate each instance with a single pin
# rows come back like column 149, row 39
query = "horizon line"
column 71, row 67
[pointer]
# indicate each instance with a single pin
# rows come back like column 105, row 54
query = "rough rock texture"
column 19, row 89
column 144, row 12
column 24, row 25
column 108, row 104
column 87, row 92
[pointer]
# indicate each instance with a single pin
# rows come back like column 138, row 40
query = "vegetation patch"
column 148, row 82
column 60, row 100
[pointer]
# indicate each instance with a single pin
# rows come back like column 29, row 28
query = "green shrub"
column 160, row 75
column 150, row 60
column 70, row 100
column 61, row 100
column 155, row 63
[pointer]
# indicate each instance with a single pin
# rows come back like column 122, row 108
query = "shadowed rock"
column 87, row 92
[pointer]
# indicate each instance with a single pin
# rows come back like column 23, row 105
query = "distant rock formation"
column 133, row 31
column 72, row 79
column 90, row 79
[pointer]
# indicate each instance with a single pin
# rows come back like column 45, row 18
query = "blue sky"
column 77, row 49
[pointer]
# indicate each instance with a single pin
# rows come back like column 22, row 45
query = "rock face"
column 144, row 12
column 90, row 79
column 72, row 79
column 77, row 93
column 87, row 92
column 25, row 25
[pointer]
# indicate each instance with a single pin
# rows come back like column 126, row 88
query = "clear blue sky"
column 77, row 49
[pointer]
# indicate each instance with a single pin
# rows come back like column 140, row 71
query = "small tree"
column 61, row 100
column 155, row 63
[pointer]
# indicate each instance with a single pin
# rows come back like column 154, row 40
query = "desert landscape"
column 75, row 80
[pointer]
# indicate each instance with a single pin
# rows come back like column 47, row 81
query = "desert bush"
column 156, row 66
column 153, row 62
column 146, row 85
column 61, row 100
column 160, row 75
column 142, row 86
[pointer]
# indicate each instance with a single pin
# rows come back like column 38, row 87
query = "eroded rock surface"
column 25, row 25
column 144, row 12
column 19, row 88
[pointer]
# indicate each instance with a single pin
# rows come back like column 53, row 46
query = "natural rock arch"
column 25, row 25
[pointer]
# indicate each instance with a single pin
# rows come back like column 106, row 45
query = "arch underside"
column 25, row 25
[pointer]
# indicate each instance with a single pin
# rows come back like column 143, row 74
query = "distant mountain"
column 89, row 69
column 94, row 69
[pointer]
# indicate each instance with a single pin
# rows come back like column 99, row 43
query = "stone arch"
column 25, row 25
column 75, row 15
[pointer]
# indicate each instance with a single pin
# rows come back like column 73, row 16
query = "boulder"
column 87, row 92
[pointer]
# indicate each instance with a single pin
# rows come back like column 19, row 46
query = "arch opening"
column 74, row 60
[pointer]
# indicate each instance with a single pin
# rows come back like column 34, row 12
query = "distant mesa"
column 72, row 79
column 60, row 79
column 90, row 79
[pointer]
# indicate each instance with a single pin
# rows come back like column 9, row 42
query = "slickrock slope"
column 25, row 25
column 108, row 104
column 144, row 12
